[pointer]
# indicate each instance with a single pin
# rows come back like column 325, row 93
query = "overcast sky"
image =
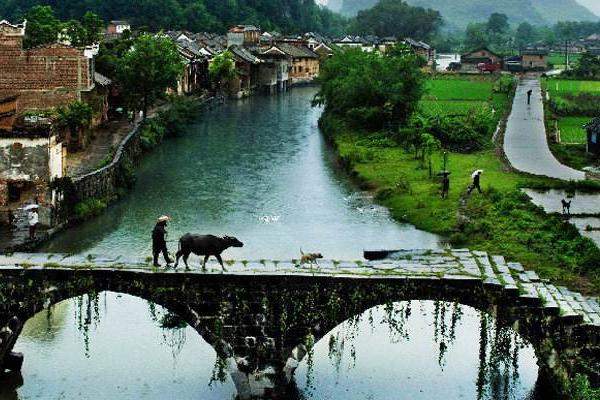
column 593, row 5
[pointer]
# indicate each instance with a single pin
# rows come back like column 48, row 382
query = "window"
column 594, row 138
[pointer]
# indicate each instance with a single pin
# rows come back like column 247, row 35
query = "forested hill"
column 287, row 16
column 459, row 13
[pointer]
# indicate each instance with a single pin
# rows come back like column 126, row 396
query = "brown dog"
column 310, row 258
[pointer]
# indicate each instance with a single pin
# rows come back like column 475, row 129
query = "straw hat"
column 164, row 218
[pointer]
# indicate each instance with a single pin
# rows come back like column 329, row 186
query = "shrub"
column 89, row 208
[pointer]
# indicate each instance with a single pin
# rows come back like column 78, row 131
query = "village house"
column 304, row 63
column 247, row 69
column 387, row 43
column 534, row 59
column 243, row 35
column 33, row 82
column 117, row 28
column 471, row 60
column 421, row 49
column 274, row 70
column 323, row 51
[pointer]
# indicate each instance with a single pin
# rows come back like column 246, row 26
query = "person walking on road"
column 476, row 184
column 159, row 241
column 529, row 93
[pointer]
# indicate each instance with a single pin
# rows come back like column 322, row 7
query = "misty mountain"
column 459, row 13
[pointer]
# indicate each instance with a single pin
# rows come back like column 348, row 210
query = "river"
column 260, row 170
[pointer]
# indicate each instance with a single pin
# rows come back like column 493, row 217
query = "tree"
column 74, row 117
column 42, row 26
column 498, row 24
column 372, row 90
column 146, row 71
column 93, row 26
column 222, row 69
column 525, row 34
column 476, row 36
column 397, row 18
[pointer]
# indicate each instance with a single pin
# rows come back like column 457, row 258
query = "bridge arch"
column 260, row 322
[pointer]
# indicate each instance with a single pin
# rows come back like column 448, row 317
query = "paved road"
column 525, row 141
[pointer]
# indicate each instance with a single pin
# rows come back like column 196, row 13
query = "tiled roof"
column 244, row 54
column 101, row 79
column 296, row 51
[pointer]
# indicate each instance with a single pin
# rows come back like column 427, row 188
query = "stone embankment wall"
column 104, row 182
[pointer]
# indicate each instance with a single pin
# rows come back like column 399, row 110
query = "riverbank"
column 89, row 195
column 500, row 220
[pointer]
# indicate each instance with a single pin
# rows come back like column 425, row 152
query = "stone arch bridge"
column 258, row 315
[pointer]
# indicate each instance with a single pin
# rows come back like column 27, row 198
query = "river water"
column 259, row 169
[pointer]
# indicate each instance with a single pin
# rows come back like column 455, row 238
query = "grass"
column 460, row 88
column 558, row 87
column 571, row 129
column 558, row 59
column 451, row 107
column 502, row 220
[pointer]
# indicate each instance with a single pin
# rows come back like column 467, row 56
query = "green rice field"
column 459, row 88
column 571, row 129
column 451, row 107
column 557, row 87
column 458, row 95
column 558, row 59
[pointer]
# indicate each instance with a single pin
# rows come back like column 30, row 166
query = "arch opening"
column 108, row 345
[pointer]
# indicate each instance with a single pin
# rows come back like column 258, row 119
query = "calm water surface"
column 259, row 170
column 408, row 350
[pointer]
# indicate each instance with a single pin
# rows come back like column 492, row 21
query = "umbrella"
column 31, row 207
column 478, row 172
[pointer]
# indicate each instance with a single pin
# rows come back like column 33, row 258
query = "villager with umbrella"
column 529, row 93
column 32, row 219
column 476, row 184
column 159, row 240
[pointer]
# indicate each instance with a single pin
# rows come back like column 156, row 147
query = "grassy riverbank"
column 501, row 220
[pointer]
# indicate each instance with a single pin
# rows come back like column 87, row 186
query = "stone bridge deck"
column 454, row 265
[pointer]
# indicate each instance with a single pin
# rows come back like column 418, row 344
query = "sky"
column 593, row 5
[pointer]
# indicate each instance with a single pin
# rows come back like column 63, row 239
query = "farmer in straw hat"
column 476, row 176
column 159, row 240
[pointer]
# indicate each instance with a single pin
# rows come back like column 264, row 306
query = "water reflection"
column 121, row 347
column 420, row 350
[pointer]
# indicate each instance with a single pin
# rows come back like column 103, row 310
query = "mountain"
column 459, row 13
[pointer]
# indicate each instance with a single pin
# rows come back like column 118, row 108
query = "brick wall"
column 44, row 77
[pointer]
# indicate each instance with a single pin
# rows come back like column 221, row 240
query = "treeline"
column 286, row 16
column 498, row 34
column 397, row 18
column 388, row 18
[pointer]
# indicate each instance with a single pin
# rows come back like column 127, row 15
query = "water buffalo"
column 204, row 245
